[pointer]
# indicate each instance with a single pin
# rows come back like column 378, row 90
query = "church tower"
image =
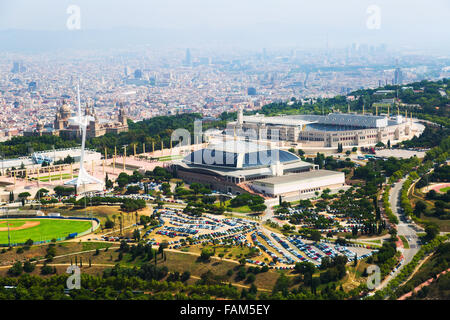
column 122, row 117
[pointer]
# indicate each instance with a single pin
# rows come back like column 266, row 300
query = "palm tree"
column 120, row 222
column 114, row 220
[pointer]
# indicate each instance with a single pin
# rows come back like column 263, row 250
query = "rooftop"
column 310, row 175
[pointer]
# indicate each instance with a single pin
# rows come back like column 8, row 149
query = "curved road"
column 408, row 230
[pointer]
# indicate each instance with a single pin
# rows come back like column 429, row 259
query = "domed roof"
column 239, row 160
column 65, row 108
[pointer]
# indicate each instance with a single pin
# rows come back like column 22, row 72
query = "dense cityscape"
column 151, row 83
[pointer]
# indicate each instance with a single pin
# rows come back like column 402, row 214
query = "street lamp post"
column 124, row 156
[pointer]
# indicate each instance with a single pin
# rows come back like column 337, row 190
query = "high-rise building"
column 398, row 76
column 18, row 67
column 188, row 59
column 32, row 86
column 251, row 91
column 127, row 71
column 138, row 74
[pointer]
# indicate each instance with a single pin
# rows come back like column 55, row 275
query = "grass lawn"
column 243, row 209
column 168, row 158
column 95, row 245
column 444, row 190
column 444, row 225
column 176, row 261
column 405, row 242
column 12, row 223
column 46, row 230
column 56, row 177
column 100, row 212
column 230, row 252
column 375, row 241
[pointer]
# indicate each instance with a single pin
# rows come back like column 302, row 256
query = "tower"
column 398, row 76
column 122, row 118
column 188, row 58
column 83, row 177
column 240, row 116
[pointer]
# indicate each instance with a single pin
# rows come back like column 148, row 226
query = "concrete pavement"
column 403, row 229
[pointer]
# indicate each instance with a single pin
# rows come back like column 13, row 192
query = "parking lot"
column 280, row 252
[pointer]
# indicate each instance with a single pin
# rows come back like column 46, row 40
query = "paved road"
column 403, row 229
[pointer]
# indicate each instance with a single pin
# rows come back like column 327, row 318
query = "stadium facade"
column 326, row 131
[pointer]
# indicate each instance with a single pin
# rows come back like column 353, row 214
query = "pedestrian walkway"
column 426, row 283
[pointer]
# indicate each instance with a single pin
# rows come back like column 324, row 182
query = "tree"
column 250, row 278
column 185, row 276
column 315, row 235
column 136, row 235
column 282, row 285
column 431, row 230
column 109, row 224
column 23, row 196
column 133, row 189
column 420, row 208
column 16, row 269
column 165, row 188
column 41, row 193
column 305, row 267
column 28, row 266
column 121, row 222
column 122, row 180
column 206, row 254
column 63, row 191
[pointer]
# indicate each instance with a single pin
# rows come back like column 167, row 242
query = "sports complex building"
column 326, row 131
column 237, row 167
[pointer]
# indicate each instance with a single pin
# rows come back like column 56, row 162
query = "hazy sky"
column 408, row 22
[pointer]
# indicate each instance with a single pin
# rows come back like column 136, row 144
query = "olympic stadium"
column 327, row 131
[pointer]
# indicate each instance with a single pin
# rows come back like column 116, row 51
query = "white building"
column 300, row 183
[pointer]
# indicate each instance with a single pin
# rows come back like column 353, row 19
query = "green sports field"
column 46, row 230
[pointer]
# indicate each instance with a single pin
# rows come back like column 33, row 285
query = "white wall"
column 320, row 182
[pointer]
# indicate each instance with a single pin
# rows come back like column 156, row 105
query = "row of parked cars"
column 113, row 239
column 263, row 247
column 307, row 249
column 286, row 259
column 259, row 263
column 328, row 250
column 286, row 246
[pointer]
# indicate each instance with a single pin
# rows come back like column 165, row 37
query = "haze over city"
column 409, row 25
